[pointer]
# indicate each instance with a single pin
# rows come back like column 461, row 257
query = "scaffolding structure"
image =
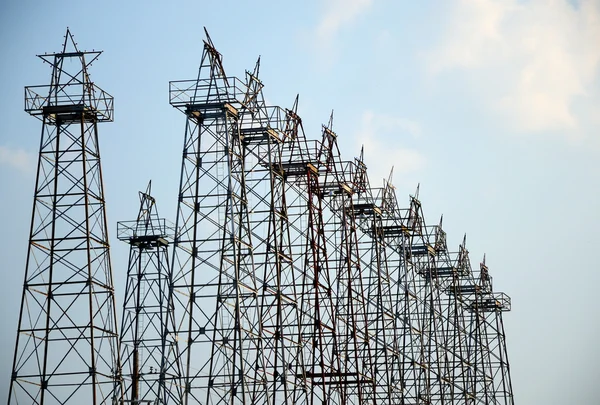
column 147, row 338
column 296, row 281
column 66, row 349
column 292, row 279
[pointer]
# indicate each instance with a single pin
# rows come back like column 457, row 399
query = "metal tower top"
column 71, row 91
column 66, row 347
column 148, row 230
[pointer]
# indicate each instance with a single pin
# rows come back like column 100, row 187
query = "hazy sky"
column 493, row 106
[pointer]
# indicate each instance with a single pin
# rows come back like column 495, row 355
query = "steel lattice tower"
column 148, row 345
column 297, row 281
column 342, row 183
column 293, row 279
column 215, row 285
column 66, row 348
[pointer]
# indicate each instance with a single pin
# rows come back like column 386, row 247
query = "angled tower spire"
column 295, row 105
column 330, row 123
column 360, row 181
column 254, row 100
column 214, row 59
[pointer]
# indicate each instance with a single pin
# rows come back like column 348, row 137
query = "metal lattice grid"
column 298, row 282
column 66, row 349
column 148, row 344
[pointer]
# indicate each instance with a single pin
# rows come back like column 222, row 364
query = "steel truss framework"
column 66, row 349
column 296, row 281
column 293, row 280
column 147, row 345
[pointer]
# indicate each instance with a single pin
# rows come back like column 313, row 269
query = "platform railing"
column 89, row 98
column 162, row 228
column 183, row 93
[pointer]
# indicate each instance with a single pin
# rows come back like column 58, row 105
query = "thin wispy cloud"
column 16, row 159
column 380, row 134
column 531, row 61
column 337, row 15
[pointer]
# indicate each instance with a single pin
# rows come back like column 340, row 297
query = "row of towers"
column 287, row 277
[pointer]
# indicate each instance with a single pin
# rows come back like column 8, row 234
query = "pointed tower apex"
column 330, row 123
column 256, row 68
column 69, row 44
column 295, row 105
column 70, row 84
column 391, row 176
column 147, row 208
column 208, row 39
column 214, row 61
column 69, row 49
column 254, row 99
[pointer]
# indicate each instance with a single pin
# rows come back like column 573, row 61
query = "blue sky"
column 493, row 106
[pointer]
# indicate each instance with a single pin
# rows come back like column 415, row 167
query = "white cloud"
column 337, row 14
column 474, row 29
column 379, row 134
column 16, row 158
column 531, row 61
